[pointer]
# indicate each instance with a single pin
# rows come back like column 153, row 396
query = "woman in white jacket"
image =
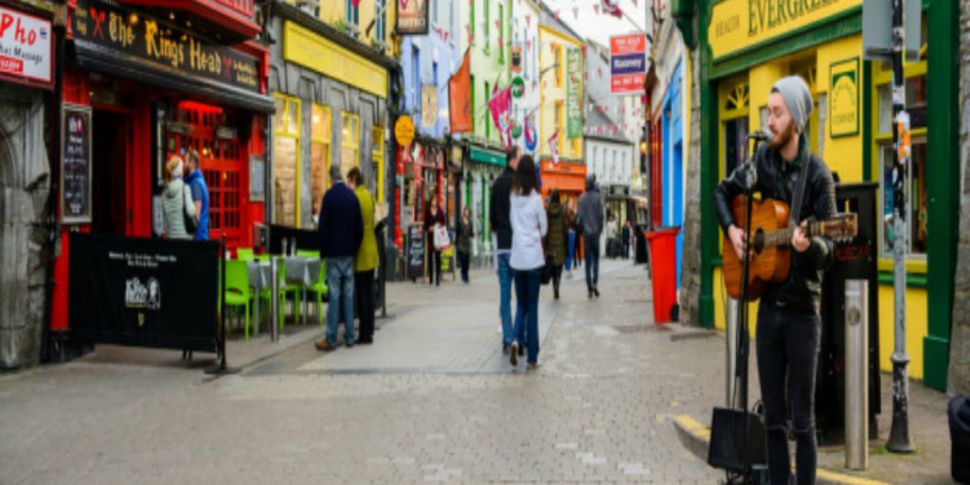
column 529, row 225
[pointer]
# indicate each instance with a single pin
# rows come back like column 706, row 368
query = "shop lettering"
column 725, row 27
column 201, row 60
column 21, row 35
column 119, row 31
column 768, row 14
column 159, row 46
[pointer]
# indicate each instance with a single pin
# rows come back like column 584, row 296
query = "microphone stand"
column 743, row 344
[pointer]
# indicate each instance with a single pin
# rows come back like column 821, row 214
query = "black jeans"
column 556, row 278
column 364, row 295
column 434, row 275
column 464, row 259
column 592, row 248
column 787, row 345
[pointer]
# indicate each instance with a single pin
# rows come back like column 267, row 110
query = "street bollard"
column 856, row 374
column 731, row 334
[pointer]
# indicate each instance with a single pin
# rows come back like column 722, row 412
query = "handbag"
column 191, row 223
column 547, row 270
column 441, row 238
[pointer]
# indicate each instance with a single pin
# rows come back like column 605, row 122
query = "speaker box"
column 737, row 440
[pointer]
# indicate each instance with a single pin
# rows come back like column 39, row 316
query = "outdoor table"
column 302, row 271
column 260, row 278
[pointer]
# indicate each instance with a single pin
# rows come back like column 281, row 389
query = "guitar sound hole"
column 758, row 240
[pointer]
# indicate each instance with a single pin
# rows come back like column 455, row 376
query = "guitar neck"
column 783, row 237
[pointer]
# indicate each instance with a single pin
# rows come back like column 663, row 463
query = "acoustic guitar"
column 771, row 243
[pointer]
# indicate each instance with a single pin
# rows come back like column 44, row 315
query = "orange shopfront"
column 569, row 178
column 153, row 87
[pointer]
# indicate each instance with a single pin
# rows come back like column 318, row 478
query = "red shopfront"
column 155, row 87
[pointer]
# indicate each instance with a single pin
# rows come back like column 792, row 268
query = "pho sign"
column 26, row 48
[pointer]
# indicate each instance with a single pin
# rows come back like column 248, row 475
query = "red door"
column 223, row 162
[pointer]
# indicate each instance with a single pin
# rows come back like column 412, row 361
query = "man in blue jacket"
column 200, row 193
column 341, row 232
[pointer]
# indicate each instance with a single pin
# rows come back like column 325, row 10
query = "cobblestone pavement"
column 433, row 400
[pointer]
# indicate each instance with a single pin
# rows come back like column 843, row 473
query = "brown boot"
column 323, row 346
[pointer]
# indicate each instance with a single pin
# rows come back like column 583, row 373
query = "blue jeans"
column 340, row 280
column 505, row 297
column 527, row 310
column 592, row 248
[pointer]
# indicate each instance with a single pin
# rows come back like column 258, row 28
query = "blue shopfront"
column 673, row 160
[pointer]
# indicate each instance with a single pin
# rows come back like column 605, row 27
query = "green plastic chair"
column 263, row 257
column 245, row 254
column 284, row 288
column 237, row 289
column 320, row 290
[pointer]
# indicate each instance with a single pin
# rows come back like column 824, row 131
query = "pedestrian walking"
column 178, row 207
column 466, row 232
column 625, row 234
column 341, row 230
column 556, row 238
column 612, row 230
column 200, row 193
column 502, row 228
column 789, row 324
column 365, row 261
column 590, row 218
column 529, row 227
column 434, row 219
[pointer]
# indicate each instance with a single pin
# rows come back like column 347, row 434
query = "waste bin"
column 663, row 260
column 854, row 259
column 958, row 413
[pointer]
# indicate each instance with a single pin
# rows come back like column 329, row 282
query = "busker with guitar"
column 789, row 324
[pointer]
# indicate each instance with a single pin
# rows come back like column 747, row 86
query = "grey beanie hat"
column 335, row 174
column 798, row 98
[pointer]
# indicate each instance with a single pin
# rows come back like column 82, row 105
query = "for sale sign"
column 628, row 63
column 26, row 47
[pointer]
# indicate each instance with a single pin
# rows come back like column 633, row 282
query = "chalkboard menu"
column 76, row 171
column 416, row 251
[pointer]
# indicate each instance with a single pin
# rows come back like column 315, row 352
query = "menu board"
column 76, row 171
column 415, row 251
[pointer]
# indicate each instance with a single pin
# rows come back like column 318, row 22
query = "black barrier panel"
column 144, row 292
column 415, row 253
column 856, row 259
column 306, row 239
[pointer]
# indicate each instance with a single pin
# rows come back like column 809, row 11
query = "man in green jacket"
column 366, row 260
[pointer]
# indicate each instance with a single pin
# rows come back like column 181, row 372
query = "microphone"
column 760, row 136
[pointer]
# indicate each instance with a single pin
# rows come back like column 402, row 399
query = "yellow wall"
column 550, row 94
column 843, row 155
column 334, row 12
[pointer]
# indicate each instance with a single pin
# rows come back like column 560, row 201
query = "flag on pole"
column 554, row 146
column 459, row 97
column 612, row 7
column 500, row 105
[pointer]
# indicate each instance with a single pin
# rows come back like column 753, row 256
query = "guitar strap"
column 800, row 191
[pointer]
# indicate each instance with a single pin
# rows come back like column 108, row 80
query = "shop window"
column 349, row 142
column 377, row 155
column 352, row 7
column 286, row 162
column 319, row 154
column 381, row 19
column 916, row 196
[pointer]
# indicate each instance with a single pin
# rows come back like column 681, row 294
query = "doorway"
column 111, row 141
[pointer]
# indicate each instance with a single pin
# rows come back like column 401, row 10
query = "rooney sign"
column 25, row 48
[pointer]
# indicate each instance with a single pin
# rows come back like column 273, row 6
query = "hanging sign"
column 404, row 130
column 518, row 87
column 76, row 171
column 26, row 49
column 412, row 17
column 517, row 59
column 628, row 63
column 574, row 112
column 844, row 98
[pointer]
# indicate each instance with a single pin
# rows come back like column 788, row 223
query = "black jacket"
column 778, row 180
column 499, row 209
column 341, row 225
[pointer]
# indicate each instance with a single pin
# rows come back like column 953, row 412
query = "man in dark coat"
column 341, row 230
column 499, row 210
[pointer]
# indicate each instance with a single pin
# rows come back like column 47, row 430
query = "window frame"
column 321, row 134
column 292, row 132
column 355, row 118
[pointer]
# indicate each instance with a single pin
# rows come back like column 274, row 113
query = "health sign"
column 628, row 64
column 26, row 48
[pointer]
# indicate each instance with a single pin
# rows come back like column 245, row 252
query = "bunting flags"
column 612, row 7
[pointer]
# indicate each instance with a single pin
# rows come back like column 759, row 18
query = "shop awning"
column 111, row 61
column 486, row 156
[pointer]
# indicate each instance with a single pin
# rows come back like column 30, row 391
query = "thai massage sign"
column 574, row 112
column 26, row 49
column 739, row 24
column 844, row 98
column 136, row 34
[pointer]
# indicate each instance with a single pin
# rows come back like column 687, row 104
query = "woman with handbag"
column 529, row 227
column 466, row 231
column 556, row 239
column 178, row 210
column 434, row 220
